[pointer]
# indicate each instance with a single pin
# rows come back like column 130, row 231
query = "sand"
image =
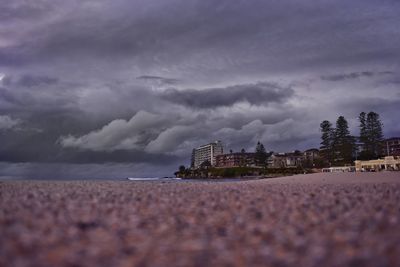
column 346, row 219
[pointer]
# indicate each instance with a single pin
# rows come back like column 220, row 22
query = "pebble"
column 248, row 223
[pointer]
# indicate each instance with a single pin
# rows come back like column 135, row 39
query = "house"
column 286, row 160
column 241, row 159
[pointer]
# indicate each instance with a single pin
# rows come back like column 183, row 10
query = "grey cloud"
column 31, row 102
column 120, row 134
column 256, row 94
column 14, row 10
column 43, row 146
column 170, row 140
column 353, row 75
column 244, row 136
column 6, row 122
column 276, row 137
column 13, row 57
column 162, row 80
column 30, row 80
column 192, row 33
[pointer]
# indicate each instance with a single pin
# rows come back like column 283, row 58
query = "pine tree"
column 371, row 135
column 363, row 128
column 261, row 154
column 327, row 141
column 343, row 142
column 182, row 169
column 374, row 133
column 364, row 154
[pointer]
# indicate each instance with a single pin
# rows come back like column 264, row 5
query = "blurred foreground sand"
column 346, row 219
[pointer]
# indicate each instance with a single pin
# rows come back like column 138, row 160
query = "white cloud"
column 120, row 134
column 171, row 139
column 7, row 122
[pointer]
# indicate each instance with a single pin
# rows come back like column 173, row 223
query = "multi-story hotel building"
column 206, row 153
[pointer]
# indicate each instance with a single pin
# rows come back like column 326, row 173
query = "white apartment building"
column 206, row 152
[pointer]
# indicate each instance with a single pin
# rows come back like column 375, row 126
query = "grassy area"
column 239, row 172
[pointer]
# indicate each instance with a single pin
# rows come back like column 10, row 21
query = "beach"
column 329, row 219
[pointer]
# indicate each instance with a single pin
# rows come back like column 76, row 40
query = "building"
column 311, row 155
column 391, row 146
column 286, row 160
column 340, row 169
column 206, row 153
column 276, row 161
column 388, row 163
column 236, row 160
column 294, row 159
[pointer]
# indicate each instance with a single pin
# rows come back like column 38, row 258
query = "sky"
column 126, row 88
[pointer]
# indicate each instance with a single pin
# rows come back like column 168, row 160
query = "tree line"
column 339, row 147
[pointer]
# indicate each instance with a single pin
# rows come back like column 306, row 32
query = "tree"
column 371, row 135
column 365, row 154
column 374, row 133
column 343, row 142
column 182, row 169
column 261, row 154
column 243, row 151
column 182, row 172
column 363, row 128
column 327, row 141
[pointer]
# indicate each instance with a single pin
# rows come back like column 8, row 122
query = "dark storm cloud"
column 13, row 57
column 30, row 80
column 155, row 32
column 38, row 140
column 17, row 10
column 34, row 95
column 39, row 98
column 159, row 79
column 55, row 154
column 353, row 75
column 256, row 94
